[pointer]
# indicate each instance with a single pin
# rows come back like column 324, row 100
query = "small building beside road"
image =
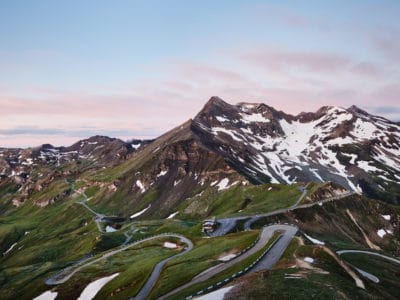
column 209, row 226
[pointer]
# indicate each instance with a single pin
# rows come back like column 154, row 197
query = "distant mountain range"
column 243, row 142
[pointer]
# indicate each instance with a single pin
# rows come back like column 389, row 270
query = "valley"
column 290, row 220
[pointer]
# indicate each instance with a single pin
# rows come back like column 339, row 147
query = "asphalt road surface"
column 397, row 261
column 68, row 272
column 275, row 253
column 227, row 224
column 146, row 289
column 268, row 260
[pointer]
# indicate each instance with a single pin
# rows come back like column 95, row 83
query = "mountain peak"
column 215, row 106
column 355, row 109
column 215, row 100
column 269, row 145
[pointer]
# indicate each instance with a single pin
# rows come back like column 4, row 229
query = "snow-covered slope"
column 348, row 146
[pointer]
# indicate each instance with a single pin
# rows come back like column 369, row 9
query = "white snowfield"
column 9, row 249
column 381, row 233
column 222, row 119
column 136, row 146
column 305, row 143
column 227, row 257
column 386, row 217
column 170, row 245
column 94, row 287
column 223, row 184
column 251, row 118
column 216, row 295
column 309, row 259
column 140, row 212
column 171, row 216
column 162, row 173
column 314, row 241
column 366, row 166
column 48, row 295
column 110, row 229
column 140, row 185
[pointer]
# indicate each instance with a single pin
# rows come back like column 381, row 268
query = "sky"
column 135, row 69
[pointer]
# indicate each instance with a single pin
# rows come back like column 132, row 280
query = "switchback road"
column 68, row 272
column 267, row 262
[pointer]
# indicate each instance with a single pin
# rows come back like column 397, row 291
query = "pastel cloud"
column 274, row 59
column 387, row 43
column 292, row 81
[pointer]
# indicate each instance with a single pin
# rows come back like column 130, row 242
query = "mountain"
column 223, row 145
column 347, row 146
column 246, row 166
column 31, row 169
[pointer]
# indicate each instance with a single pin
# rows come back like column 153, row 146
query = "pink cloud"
column 388, row 94
column 274, row 59
column 387, row 42
column 289, row 81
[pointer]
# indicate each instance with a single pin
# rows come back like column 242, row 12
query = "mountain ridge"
column 319, row 146
column 349, row 147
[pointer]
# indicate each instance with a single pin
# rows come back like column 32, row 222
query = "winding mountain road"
column 247, row 225
column 68, row 272
column 151, row 281
column 267, row 261
column 275, row 253
column 395, row 260
column 227, row 224
column 368, row 275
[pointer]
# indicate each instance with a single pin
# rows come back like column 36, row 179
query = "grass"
column 327, row 280
column 57, row 235
column 220, row 276
column 312, row 188
column 314, row 286
column 134, row 265
column 203, row 256
column 64, row 231
column 387, row 272
column 240, row 200
column 91, row 191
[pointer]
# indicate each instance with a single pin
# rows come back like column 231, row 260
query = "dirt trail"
column 349, row 271
column 367, row 240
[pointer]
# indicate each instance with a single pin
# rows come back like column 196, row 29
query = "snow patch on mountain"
column 140, row 212
column 364, row 130
column 251, row 118
column 162, row 173
column 94, row 287
column 216, row 130
column 222, row 119
column 48, row 295
column 366, row 166
column 9, row 249
column 171, row 216
column 140, row 185
column 313, row 240
column 381, row 233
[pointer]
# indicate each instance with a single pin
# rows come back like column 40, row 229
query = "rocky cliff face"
column 171, row 169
